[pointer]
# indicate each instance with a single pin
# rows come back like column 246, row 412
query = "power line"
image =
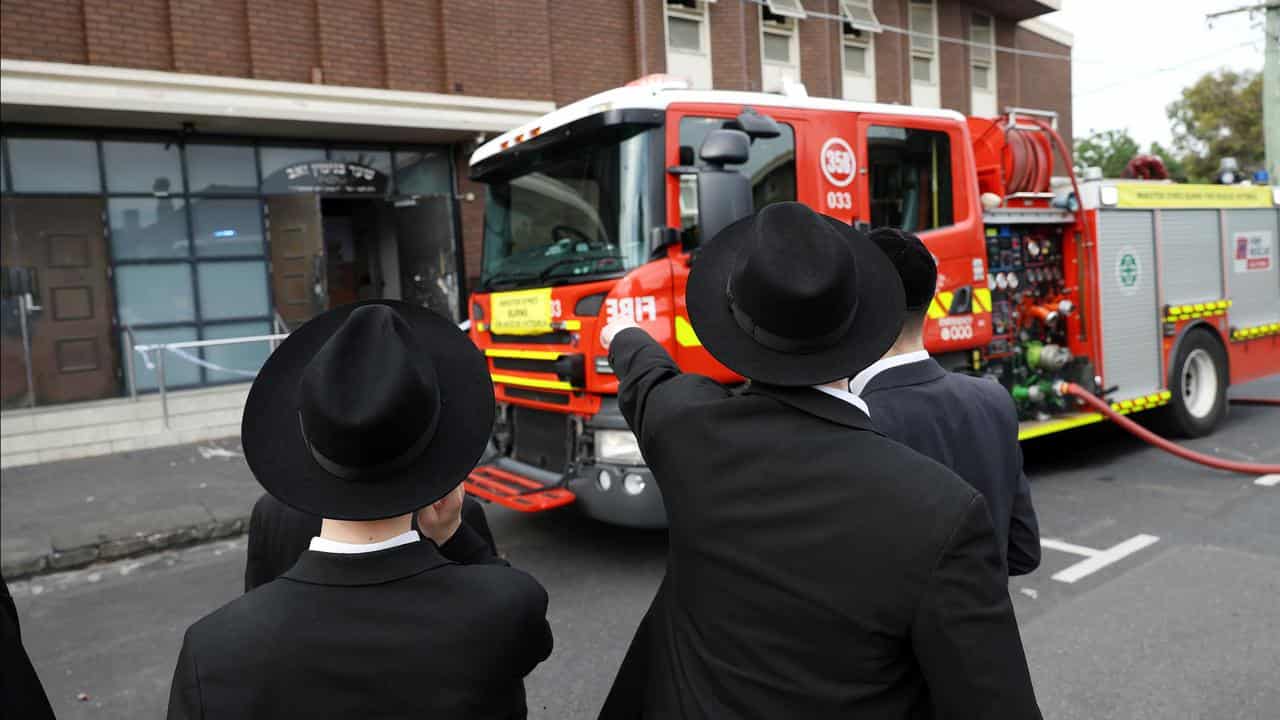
column 1158, row 71
column 930, row 36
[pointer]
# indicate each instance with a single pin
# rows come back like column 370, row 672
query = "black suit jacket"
column 279, row 534
column 408, row 632
column 21, row 694
column 815, row 568
column 970, row 425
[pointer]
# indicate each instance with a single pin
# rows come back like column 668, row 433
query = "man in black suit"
column 365, row 416
column 815, row 568
column 278, row 535
column 21, row 694
column 968, row 424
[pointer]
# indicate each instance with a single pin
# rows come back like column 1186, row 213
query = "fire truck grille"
column 541, row 439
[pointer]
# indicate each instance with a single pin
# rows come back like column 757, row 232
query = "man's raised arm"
column 650, row 384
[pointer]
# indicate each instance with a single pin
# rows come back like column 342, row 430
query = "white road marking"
column 212, row 451
column 1268, row 481
column 1103, row 558
column 1067, row 547
column 1030, row 592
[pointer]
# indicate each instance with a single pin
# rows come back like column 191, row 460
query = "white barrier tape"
column 208, row 365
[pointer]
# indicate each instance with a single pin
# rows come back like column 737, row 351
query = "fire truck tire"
column 1198, row 383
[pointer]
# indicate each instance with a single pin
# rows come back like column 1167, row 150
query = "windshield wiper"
column 546, row 271
column 507, row 277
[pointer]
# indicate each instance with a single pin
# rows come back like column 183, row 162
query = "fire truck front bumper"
column 619, row 495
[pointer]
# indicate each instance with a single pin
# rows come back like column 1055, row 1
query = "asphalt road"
column 1183, row 626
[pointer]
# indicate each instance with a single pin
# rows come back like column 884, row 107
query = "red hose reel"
column 1012, row 157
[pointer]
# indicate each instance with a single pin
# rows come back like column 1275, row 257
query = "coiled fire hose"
column 1070, row 388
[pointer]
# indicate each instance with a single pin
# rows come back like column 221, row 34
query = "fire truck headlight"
column 604, row 480
column 618, row 447
column 633, row 484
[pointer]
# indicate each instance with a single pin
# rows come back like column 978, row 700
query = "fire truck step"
column 518, row 493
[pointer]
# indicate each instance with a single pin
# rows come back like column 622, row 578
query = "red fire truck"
column 1153, row 295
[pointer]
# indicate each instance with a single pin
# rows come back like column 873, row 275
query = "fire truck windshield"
column 577, row 211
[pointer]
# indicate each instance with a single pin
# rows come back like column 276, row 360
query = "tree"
column 1108, row 149
column 1219, row 116
column 1172, row 162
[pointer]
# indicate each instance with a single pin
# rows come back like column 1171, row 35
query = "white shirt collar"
column 320, row 544
column 860, row 381
column 845, row 396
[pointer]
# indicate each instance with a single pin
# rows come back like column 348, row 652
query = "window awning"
column 67, row 94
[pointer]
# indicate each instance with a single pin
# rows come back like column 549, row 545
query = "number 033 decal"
column 840, row 200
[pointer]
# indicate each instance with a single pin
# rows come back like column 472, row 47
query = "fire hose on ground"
column 1093, row 401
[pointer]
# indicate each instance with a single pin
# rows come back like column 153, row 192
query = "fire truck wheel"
column 1198, row 382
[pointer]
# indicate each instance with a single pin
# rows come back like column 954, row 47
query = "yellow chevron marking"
column 685, row 334
column 982, row 300
column 940, row 305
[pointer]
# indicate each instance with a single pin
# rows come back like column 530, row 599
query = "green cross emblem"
column 1128, row 270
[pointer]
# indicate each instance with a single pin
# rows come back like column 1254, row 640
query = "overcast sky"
column 1133, row 57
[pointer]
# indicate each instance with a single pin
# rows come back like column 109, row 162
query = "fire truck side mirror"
column 724, row 195
column 725, row 147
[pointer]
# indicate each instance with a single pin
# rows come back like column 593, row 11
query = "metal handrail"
column 129, row 364
column 165, row 348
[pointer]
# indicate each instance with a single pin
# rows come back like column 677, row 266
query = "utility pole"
column 1271, row 94
column 1270, row 82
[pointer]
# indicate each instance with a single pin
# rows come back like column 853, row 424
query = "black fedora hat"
column 791, row 297
column 370, row 410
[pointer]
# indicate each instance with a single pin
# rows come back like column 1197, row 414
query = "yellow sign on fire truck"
column 522, row 312
column 1161, row 195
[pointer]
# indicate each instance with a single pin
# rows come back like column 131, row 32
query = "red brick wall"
column 210, row 37
column 893, row 71
column 472, row 216
column 497, row 48
column 282, row 40
column 351, row 42
column 734, row 46
column 593, row 47
column 819, row 39
column 128, row 33
column 413, row 40
column 651, row 54
column 1006, row 65
column 1044, row 83
column 49, row 30
column 953, row 58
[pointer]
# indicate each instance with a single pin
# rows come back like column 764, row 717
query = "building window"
column 858, row 51
column 909, row 178
column 924, row 43
column 923, row 24
column 859, row 15
column 982, row 59
column 689, row 42
column 46, row 165
column 779, row 44
column 184, row 229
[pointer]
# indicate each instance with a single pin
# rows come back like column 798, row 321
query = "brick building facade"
column 408, row 88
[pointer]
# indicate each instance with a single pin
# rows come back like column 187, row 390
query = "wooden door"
column 296, row 231
column 62, row 242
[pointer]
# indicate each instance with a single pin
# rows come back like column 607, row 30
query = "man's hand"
column 442, row 518
column 613, row 328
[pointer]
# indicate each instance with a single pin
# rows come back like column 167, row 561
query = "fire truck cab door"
column 771, row 169
column 916, row 173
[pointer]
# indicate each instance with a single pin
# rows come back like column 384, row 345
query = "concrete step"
column 122, row 425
